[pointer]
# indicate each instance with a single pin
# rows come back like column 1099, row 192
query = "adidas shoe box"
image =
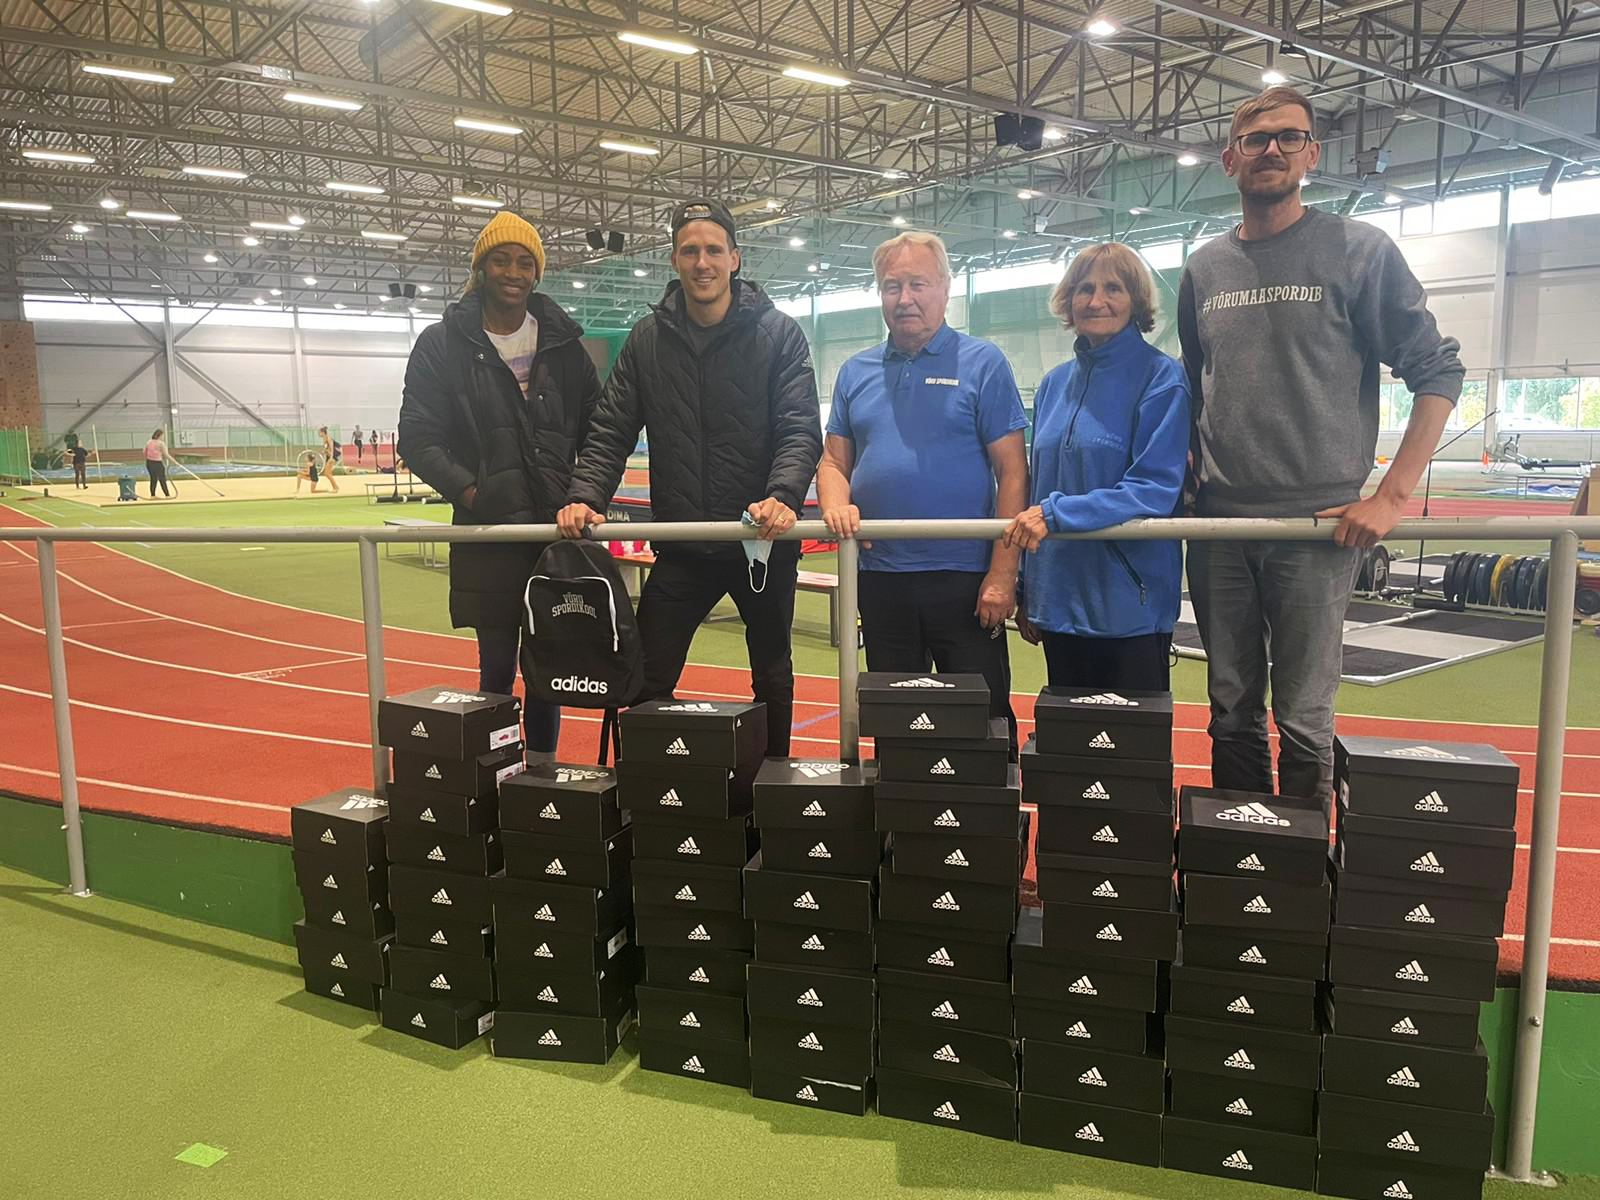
column 450, row 724
column 789, row 1087
column 823, row 997
column 911, row 946
column 453, row 816
column 1092, row 1074
column 986, row 1108
column 1090, row 978
column 1140, row 933
column 1439, row 782
column 851, row 853
column 970, row 811
column 558, row 798
column 1443, row 855
column 715, row 971
column 831, row 796
column 812, row 1049
column 558, row 1037
column 473, row 854
column 696, row 1016
column 1270, row 905
column 722, row 733
column 350, row 899
column 1070, row 1022
column 1256, row 837
column 1403, row 1134
column 480, row 776
column 785, row 943
column 1249, row 1103
column 668, row 793
column 954, row 855
column 1097, row 724
column 712, row 1062
column 953, row 1053
column 727, row 843
column 1259, row 952
column 344, row 829
column 687, row 929
column 934, row 708
column 560, row 907
column 578, row 861
column 442, row 1021
column 355, row 958
column 1409, row 1020
column 787, row 897
column 1095, row 1129
column 532, row 950
column 1422, row 965
column 424, row 972
column 1107, row 882
column 423, row 932
column 1244, row 1000
column 944, row 1002
column 687, row 885
column 1239, row 1152
column 1119, row 785
column 1277, row 1056
column 337, row 985
column 980, row 911
column 1406, row 1074
column 1090, row 830
column 1376, row 902
column 983, row 761
column 431, row 893
column 1366, row 1177
column 599, row 993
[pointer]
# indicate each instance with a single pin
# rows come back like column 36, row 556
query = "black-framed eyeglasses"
column 1290, row 141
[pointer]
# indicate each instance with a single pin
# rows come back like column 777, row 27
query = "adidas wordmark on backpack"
column 585, row 650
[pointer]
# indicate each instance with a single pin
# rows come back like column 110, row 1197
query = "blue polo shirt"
column 922, row 425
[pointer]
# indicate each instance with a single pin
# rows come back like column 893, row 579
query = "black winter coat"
column 727, row 428
column 464, row 421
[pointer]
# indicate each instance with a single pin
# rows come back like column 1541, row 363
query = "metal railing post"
column 61, row 707
column 1554, row 678
column 372, row 626
column 849, row 652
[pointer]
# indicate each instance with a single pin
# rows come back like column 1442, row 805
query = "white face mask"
column 756, row 552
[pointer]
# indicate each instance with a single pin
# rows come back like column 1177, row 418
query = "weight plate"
column 1521, row 577
column 1379, row 568
column 1481, row 577
column 1463, row 575
column 1541, row 584
column 1451, row 570
column 1588, row 602
column 1497, row 576
column 1530, row 567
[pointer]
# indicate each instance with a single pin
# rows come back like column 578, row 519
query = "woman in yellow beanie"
column 497, row 401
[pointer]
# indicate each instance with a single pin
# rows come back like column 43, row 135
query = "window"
column 1476, row 210
column 1575, row 198
column 1528, row 205
column 1394, row 406
column 1416, row 220
column 1541, row 403
column 1162, row 256
column 1044, row 274
column 1469, row 409
column 1386, row 219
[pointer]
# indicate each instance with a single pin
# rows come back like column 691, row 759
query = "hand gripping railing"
column 1562, row 534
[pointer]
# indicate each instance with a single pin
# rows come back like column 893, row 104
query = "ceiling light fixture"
column 797, row 242
column 1272, row 77
column 627, row 147
column 167, row 217
column 60, row 156
column 296, row 220
column 381, row 235
column 1026, row 194
column 891, row 173
column 276, row 291
column 1052, row 134
column 487, row 126
column 80, row 227
column 336, row 304
column 812, row 75
column 640, row 272
column 897, row 221
column 1009, row 233
column 478, row 6
column 579, row 284
column 1100, row 27
column 214, row 172
column 252, row 241
column 467, row 201
column 1138, row 211
column 275, row 226
column 424, row 287
column 651, row 41
column 210, row 258
column 309, row 280
column 1394, row 198
column 317, row 100
column 258, row 300
column 812, row 267
column 360, row 189
column 128, row 73
column 110, row 203
column 1188, row 160
column 774, row 205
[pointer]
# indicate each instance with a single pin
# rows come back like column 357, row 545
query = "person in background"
column 331, row 456
column 498, row 398
column 1110, row 440
column 355, row 438
column 722, row 382
column 156, row 457
column 1285, row 324
column 80, row 465
column 928, row 424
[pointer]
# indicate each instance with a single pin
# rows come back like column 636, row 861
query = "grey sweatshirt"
column 1283, row 340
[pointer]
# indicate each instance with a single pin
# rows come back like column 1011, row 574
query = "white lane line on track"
column 274, row 672
column 124, row 621
column 1555, row 941
column 147, row 791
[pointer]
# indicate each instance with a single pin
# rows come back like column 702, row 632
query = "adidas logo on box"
column 1237, row 1162
column 670, row 800
column 1108, row 934
column 544, row 914
column 427, row 815
column 336, row 990
column 1239, row 1061
column 947, row 902
column 1084, row 986
column 809, row 998
column 549, row 1038
column 457, row 698
column 327, row 837
column 436, row 854
column 817, row 770
column 814, row 809
column 941, row 958
column 1241, row 1004
column 698, row 975
column 677, row 747
column 689, row 1021
column 813, row 943
column 1398, row 1190
column 1253, row 955
column 1079, row 1030
column 331, row 882
column 942, row 767
column 1110, row 698
column 922, row 722
column 1258, row 905
column 338, row 917
column 432, row 772
column 693, row 1064
column 820, row 850
column 555, row 868
column 685, row 893
column 1406, row 1027
column 699, row 934
column 947, row 1112
column 956, row 859
column 924, row 682
column 338, row 961
column 1428, row 752
column 1253, row 813
column 810, row 1042
column 1249, row 863
column 549, row 813
column 687, row 846
column 1412, row 972
column 805, row 900
column 1404, row 1141
column 695, row 708
column 946, row 1012
column 947, row 820
column 543, row 951
column 439, row 939
column 1421, row 916
column 1096, row 791
column 1102, row 741
column 1089, row 1134
column 1106, row 891
column 1093, row 1078
column 419, row 730
column 363, row 802
column 440, row 983
column 1107, row 835
column 577, row 775
column 1428, row 864
column 419, row 1022
column 805, row 1093
column 1431, row 803
column 1404, row 1078
column 1239, row 1108
column 548, row 996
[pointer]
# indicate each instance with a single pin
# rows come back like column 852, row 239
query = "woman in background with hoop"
column 312, row 467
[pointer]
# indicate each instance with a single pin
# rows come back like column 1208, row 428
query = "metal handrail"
column 1555, row 671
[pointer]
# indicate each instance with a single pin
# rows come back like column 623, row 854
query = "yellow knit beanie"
column 506, row 229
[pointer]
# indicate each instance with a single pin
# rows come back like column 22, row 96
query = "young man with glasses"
column 1285, row 323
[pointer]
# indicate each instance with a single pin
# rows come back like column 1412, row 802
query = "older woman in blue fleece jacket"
column 1110, row 444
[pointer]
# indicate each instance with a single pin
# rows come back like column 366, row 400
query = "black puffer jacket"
column 464, row 421
column 727, row 428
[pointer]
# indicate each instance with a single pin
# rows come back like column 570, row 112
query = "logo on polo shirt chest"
column 941, row 381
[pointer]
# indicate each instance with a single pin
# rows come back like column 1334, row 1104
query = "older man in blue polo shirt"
column 928, row 425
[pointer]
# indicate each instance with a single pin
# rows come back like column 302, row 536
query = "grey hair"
column 930, row 241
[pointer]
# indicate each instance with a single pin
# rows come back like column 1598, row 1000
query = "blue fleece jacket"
column 1110, row 441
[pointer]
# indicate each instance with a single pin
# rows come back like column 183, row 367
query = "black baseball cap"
column 704, row 210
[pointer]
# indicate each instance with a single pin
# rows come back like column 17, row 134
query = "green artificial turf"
column 132, row 1035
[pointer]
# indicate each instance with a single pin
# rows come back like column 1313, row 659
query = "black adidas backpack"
column 585, row 650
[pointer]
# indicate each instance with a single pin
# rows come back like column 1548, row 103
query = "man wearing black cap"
column 722, row 383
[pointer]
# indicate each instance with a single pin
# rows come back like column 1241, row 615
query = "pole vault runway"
column 199, row 706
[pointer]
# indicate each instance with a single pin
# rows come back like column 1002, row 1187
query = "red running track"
column 199, row 706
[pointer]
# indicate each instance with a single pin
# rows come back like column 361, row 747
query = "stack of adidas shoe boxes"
column 946, row 792
column 565, row 963
column 1422, row 867
column 809, row 894
column 1243, row 1037
column 452, row 751
column 685, row 774
column 344, row 942
column 1089, row 971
